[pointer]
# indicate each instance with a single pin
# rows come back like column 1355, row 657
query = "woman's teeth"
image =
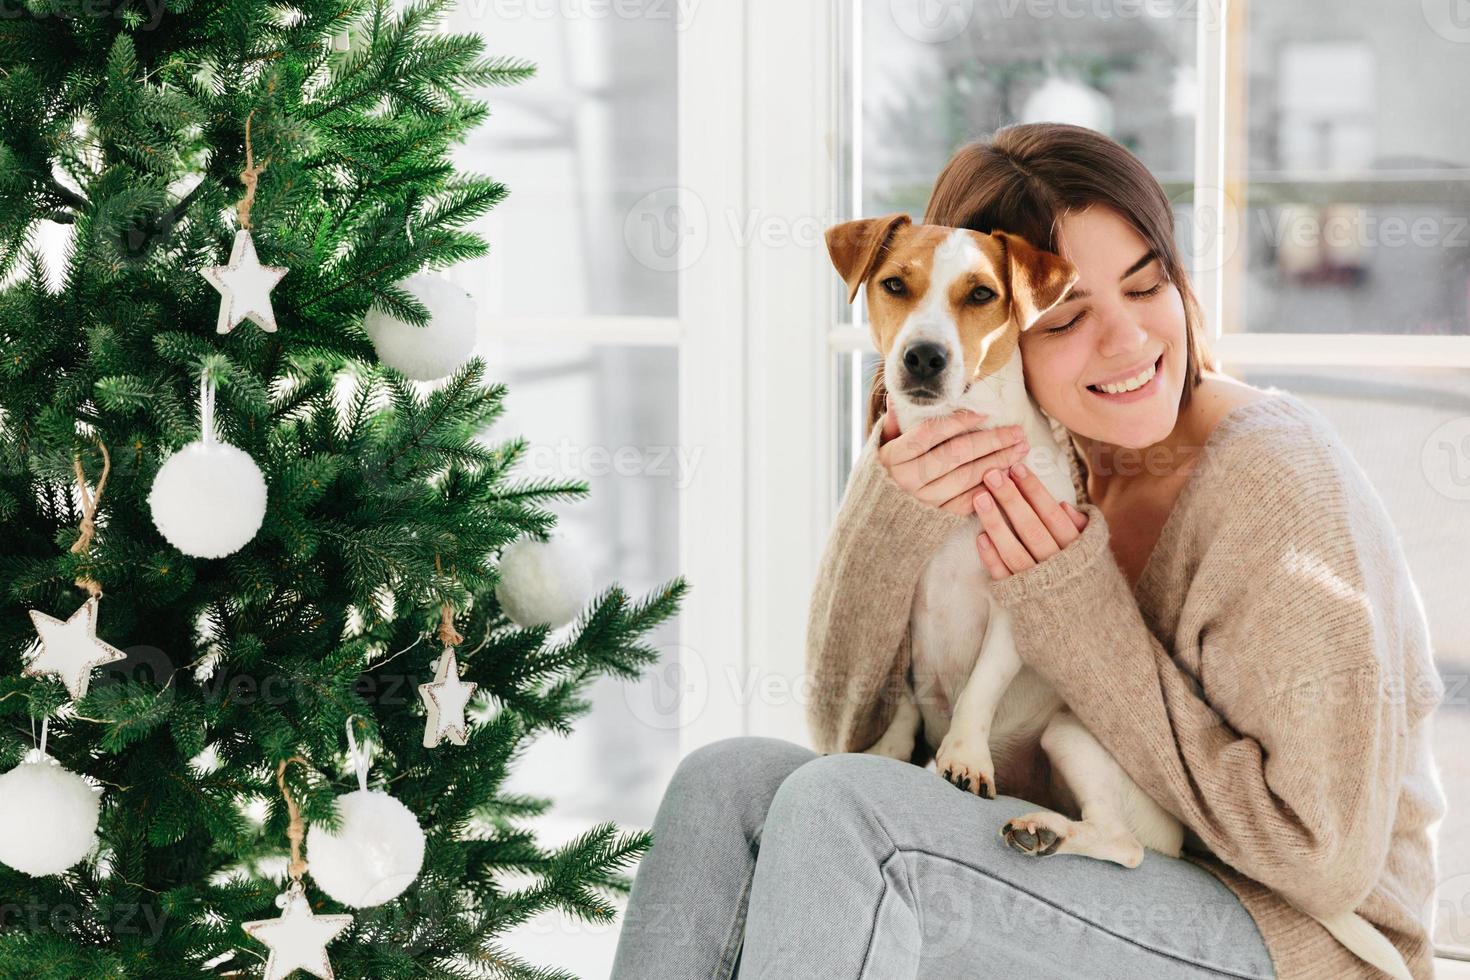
column 1130, row 385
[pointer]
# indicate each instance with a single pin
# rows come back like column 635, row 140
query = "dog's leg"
column 964, row 754
column 901, row 735
column 1109, row 801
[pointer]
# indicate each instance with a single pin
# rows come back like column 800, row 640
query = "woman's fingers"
column 962, row 504
column 993, row 565
column 964, row 479
column 1058, row 523
column 1026, row 524
column 1011, row 551
column 927, row 434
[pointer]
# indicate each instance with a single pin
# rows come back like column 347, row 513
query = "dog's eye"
column 981, row 294
column 894, row 285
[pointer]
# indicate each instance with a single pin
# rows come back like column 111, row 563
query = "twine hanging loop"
column 250, row 176
column 296, row 830
column 90, row 503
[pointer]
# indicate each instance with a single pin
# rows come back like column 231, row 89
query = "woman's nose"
column 1121, row 331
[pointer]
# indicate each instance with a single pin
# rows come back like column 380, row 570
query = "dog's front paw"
column 965, row 762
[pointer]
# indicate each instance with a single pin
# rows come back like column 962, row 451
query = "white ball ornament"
column 435, row 350
column 48, row 818
column 374, row 856
column 208, row 499
column 543, row 583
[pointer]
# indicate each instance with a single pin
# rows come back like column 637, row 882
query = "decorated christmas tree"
column 275, row 619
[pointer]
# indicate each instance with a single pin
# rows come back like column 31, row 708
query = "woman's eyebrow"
column 1143, row 260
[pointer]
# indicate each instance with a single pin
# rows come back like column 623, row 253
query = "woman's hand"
column 941, row 461
column 1039, row 526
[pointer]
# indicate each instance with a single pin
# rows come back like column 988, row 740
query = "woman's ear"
column 856, row 247
column 1038, row 279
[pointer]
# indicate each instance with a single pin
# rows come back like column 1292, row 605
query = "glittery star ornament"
column 445, row 699
column 69, row 649
column 298, row 939
column 245, row 286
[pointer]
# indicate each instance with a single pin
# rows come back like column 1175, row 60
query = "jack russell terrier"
column 947, row 307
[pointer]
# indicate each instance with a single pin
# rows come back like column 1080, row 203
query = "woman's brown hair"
column 1026, row 176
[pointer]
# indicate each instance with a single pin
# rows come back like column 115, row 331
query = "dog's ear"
column 1038, row 279
column 877, row 398
column 856, row 247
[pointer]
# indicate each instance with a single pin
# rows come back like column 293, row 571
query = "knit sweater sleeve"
column 857, row 650
column 1284, row 755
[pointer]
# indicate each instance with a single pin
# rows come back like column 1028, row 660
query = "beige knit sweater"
column 1269, row 681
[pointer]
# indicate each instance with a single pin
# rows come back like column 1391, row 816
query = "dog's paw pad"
column 1030, row 838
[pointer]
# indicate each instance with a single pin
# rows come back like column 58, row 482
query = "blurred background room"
column 659, row 301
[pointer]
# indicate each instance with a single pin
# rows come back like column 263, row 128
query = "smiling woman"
column 1151, row 553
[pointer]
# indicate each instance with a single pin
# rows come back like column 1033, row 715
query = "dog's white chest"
column 952, row 612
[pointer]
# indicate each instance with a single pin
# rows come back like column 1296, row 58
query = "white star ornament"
column 298, row 939
column 69, row 649
column 245, row 286
column 445, row 699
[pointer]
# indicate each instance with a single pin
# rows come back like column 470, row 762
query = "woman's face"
column 1130, row 320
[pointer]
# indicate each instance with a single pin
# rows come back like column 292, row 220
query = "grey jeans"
column 875, row 869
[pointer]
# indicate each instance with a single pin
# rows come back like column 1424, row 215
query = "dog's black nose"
column 924, row 360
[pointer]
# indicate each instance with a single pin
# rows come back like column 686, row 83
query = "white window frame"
column 753, row 374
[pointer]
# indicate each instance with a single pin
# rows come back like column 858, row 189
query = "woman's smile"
column 1147, row 390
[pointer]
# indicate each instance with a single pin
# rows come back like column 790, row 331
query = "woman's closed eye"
column 1136, row 294
column 1145, row 293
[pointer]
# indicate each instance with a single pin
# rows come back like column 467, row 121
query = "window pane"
column 588, row 149
column 937, row 75
column 1357, row 190
column 608, row 416
column 1410, row 432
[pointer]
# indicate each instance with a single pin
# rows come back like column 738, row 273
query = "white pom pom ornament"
column 378, row 850
column 375, row 855
column 432, row 351
column 209, row 498
column 48, row 817
column 543, row 582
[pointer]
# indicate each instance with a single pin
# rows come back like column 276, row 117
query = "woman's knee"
column 739, row 766
column 843, row 785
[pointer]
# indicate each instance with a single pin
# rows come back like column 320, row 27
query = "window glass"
column 1357, row 185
